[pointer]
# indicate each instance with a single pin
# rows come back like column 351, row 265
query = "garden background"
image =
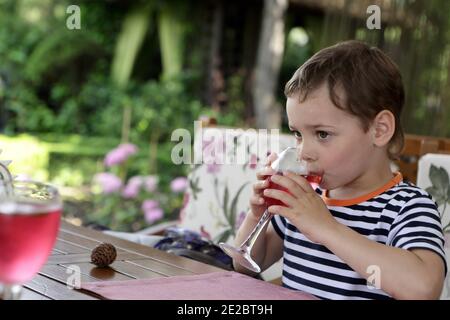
column 92, row 109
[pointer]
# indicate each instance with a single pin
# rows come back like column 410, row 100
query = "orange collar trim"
column 348, row 202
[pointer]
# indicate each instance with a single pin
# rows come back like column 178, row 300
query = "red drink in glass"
column 30, row 213
column 26, row 240
column 314, row 180
column 286, row 161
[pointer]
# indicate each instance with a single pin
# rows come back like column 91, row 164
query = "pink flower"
column 213, row 150
column 149, row 204
column 153, row 215
column 108, row 182
column 132, row 188
column 150, row 183
column 204, row 233
column 239, row 220
column 120, row 154
column 128, row 148
column 253, row 161
column 152, row 211
column 213, row 168
column 179, row 184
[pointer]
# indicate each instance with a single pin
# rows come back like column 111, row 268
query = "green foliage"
column 130, row 39
column 120, row 203
column 56, row 85
column 29, row 155
column 53, row 54
column 171, row 33
column 120, row 214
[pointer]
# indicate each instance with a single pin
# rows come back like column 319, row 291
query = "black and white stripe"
column 403, row 216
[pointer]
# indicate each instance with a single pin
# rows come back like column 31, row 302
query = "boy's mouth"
column 316, row 173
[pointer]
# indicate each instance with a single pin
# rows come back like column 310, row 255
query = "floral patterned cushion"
column 433, row 176
column 220, row 186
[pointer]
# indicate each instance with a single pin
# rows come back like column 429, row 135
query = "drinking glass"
column 29, row 220
column 286, row 161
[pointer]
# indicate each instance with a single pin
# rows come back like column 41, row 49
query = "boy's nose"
column 304, row 154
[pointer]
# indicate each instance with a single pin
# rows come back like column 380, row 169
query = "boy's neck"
column 367, row 182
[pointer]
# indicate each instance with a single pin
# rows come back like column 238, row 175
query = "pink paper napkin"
column 227, row 285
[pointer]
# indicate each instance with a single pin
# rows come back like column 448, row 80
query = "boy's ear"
column 383, row 128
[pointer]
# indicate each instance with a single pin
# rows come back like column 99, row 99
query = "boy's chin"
column 324, row 185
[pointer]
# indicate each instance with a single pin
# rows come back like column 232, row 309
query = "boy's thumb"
column 272, row 157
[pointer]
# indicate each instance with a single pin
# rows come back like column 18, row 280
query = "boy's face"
column 331, row 140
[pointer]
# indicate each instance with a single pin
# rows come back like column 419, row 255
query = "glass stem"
column 10, row 292
column 247, row 245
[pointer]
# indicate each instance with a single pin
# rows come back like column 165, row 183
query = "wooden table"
column 134, row 261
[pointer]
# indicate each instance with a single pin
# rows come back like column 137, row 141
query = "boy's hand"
column 257, row 202
column 306, row 209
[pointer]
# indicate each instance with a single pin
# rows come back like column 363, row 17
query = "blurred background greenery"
column 137, row 70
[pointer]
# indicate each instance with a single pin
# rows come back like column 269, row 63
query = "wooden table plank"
column 67, row 247
column 155, row 254
column 62, row 273
column 165, row 269
column 80, row 240
column 56, row 252
column 28, row 294
column 109, row 274
column 55, row 290
column 86, row 257
column 135, row 271
column 134, row 261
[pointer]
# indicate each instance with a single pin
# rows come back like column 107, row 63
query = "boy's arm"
column 404, row 274
column 267, row 249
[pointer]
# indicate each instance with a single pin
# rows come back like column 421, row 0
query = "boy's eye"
column 323, row 135
column 297, row 135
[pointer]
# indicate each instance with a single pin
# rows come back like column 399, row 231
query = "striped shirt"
column 398, row 214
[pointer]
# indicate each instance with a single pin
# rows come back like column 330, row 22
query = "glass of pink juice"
column 286, row 161
column 29, row 222
column 314, row 180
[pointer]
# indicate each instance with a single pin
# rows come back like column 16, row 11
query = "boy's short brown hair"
column 370, row 80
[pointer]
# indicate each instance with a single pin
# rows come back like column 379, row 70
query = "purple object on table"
column 228, row 285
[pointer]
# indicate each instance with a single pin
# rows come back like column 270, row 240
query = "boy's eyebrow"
column 313, row 126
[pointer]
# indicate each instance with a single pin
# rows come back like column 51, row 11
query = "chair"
column 217, row 199
column 433, row 176
column 415, row 147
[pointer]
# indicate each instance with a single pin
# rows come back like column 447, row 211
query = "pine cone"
column 103, row 255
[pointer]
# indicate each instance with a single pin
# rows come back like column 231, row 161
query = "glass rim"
column 29, row 195
column 288, row 161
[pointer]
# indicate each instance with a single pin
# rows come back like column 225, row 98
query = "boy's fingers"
column 256, row 200
column 284, row 197
column 262, row 175
column 280, row 210
column 260, row 185
column 301, row 181
column 271, row 158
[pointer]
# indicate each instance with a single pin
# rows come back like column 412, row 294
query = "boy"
column 364, row 233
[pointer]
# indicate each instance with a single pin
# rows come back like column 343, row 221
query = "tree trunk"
column 215, row 83
column 171, row 38
column 268, row 64
column 250, row 49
